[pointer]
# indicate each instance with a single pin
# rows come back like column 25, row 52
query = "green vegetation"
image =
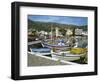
column 46, row 26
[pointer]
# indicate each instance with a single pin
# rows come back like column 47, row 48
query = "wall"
column 5, row 41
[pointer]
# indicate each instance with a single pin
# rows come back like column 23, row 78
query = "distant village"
column 54, row 33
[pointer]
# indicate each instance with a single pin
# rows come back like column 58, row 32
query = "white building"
column 78, row 31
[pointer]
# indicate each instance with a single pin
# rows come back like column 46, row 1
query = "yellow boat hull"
column 78, row 50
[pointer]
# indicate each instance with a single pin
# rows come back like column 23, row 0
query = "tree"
column 63, row 31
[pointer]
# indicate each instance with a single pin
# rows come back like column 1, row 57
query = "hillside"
column 46, row 26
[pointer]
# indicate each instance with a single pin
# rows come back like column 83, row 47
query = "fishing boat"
column 41, row 51
column 67, row 56
column 55, row 44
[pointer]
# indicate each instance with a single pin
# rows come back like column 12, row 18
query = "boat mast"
column 51, row 33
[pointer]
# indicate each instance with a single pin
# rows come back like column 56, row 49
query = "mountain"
column 46, row 26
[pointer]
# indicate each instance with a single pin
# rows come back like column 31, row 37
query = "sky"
column 60, row 19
